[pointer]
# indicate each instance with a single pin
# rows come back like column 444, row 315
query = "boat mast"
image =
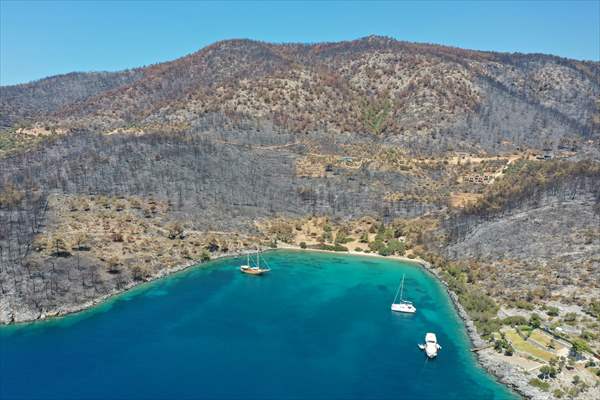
column 402, row 287
column 396, row 296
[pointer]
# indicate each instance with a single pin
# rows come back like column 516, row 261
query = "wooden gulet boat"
column 254, row 270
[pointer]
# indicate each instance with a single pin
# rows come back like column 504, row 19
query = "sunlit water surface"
column 318, row 326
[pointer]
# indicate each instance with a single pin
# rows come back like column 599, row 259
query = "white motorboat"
column 404, row 306
column 431, row 345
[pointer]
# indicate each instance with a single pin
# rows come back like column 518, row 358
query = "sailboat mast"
column 402, row 288
column 396, row 296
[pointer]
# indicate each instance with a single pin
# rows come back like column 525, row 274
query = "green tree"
column 547, row 372
column 364, row 238
column 60, row 247
column 552, row 311
column 340, row 237
column 205, row 256
column 579, row 346
column 396, row 247
column 535, row 321
column 509, row 350
column 376, row 245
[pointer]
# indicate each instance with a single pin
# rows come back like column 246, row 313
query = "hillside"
column 26, row 102
column 484, row 164
column 399, row 91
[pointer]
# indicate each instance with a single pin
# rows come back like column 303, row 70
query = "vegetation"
column 335, row 247
column 375, row 115
column 528, row 179
column 552, row 311
column 547, row 371
column 545, row 386
column 480, row 307
column 521, row 345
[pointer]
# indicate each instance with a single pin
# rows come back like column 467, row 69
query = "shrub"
column 384, row 251
column 282, row 230
column 570, row 317
column 205, row 256
column 376, row 245
column 302, row 245
column 587, row 335
column 514, row 320
column 364, row 238
column 138, row 272
column 547, row 371
column 396, row 247
column 335, row 247
column 114, row 266
column 579, row 346
column 540, row 384
column 552, row 311
column 176, row 231
column 535, row 321
column 60, row 248
column 117, row 237
column 594, row 309
column 341, row 237
column 524, row 305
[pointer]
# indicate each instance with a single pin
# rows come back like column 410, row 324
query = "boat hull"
column 404, row 308
column 431, row 345
column 253, row 271
column 431, row 351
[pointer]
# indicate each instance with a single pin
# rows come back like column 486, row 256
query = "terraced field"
column 523, row 346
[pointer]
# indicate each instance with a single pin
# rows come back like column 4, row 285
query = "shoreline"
column 504, row 373
column 64, row 311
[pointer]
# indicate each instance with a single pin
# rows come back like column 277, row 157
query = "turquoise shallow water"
column 318, row 326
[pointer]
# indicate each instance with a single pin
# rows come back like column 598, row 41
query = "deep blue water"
column 318, row 326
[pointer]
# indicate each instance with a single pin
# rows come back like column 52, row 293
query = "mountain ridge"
column 374, row 85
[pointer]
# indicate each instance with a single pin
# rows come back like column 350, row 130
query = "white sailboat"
column 404, row 306
column 431, row 345
column 253, row 270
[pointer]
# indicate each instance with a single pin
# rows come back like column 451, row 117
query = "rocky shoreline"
column 10, row 317
column 505, row 373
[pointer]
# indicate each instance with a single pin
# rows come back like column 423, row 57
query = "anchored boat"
column 256, row 269
column 431, row 345
column 404, row 306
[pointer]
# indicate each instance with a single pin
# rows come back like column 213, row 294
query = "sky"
column 43, row 38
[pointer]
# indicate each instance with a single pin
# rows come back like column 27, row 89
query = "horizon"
column 31, row 49
column 284, row 43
